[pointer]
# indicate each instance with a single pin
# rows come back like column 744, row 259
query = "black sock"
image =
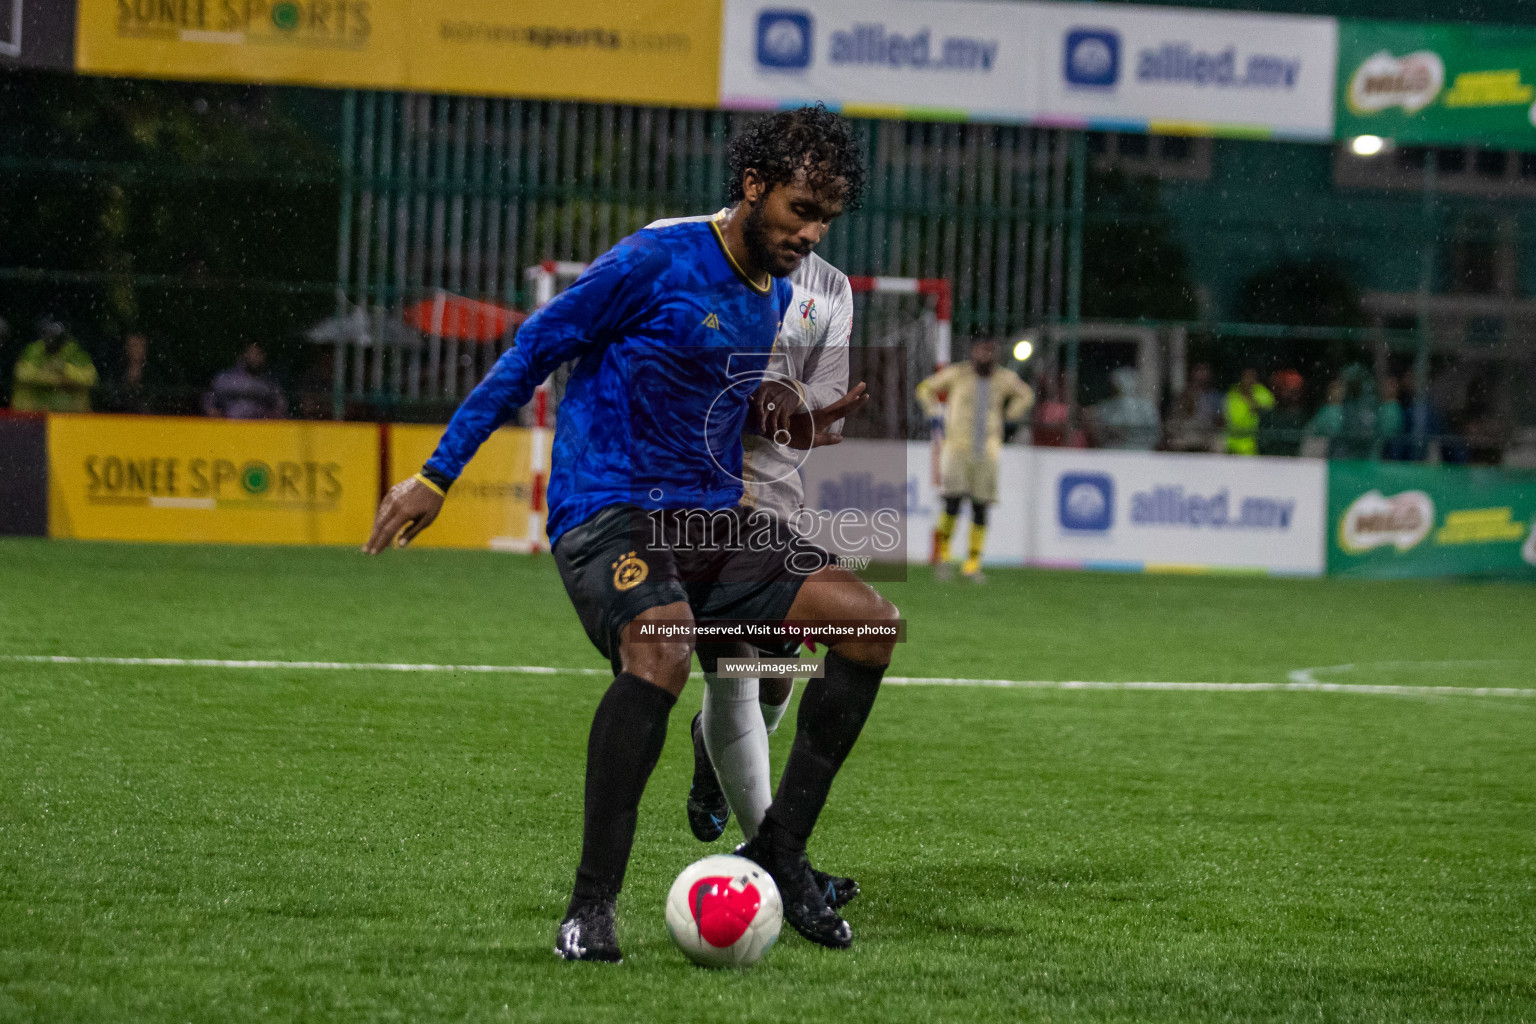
column 832, row 714
column 627, row 735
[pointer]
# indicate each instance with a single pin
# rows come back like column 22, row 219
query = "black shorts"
column 726, row 564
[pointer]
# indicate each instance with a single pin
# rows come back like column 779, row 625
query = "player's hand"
column 773, row 408
column 813, row 430
column 408, row 508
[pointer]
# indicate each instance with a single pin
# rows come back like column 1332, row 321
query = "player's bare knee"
column 663, row 659
column 882, row 616
column 874, row 650
column 874, row 653
column 664, row 663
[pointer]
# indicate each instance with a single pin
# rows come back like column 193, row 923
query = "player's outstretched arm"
column 572, row 324
column 408, row 508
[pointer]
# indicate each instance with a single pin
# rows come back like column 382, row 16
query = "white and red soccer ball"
column 724, row 911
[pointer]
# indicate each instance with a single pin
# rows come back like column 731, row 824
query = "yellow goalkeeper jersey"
column 974, row 407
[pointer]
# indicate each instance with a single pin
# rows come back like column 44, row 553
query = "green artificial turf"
column 206, row 844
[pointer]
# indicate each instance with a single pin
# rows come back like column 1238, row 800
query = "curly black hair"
column 813, row 139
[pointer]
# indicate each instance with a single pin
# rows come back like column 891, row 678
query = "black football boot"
column 588, row 933
column 707, row 810
column 805, row 901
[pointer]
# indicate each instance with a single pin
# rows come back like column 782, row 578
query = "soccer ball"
column 724, row 911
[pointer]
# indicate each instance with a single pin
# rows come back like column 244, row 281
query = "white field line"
column 1301, row 680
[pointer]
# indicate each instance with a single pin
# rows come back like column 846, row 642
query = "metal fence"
column 463, row 194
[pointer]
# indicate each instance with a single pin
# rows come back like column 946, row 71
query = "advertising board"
column 629, row 51
column 162, row 478
column 487, row 505
column 1156, row 511
column 935, row 59
column 1393, row 519
column 23, row 476
column 299, row 42
column 1438, row 83
column 1101, row 65
column 1172, row 70
column 1123, row 511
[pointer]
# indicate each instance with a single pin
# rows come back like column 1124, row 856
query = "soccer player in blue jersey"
column 670, row 331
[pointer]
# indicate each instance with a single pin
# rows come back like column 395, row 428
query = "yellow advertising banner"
column 360, row 43
column 487, row 505
column 163, row 478
column 664, row 52
column 627, row 51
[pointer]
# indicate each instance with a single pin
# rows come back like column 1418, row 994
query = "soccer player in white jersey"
column 730, row 736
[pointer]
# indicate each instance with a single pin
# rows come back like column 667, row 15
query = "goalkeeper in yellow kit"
column 970, row 403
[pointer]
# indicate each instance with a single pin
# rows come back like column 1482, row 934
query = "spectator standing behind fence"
column 1327, row 423
column 1128, row 421
column 1281, row 429
column 246, row 391
column 54, row 374
column 1051, row 425
column 1247, row 402
column 1195, row 418
column 1347, row 421
column 132, row 388
column 1391, row 423
column 1358, row 439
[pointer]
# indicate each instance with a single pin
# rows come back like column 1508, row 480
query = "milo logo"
column 1374, row 520
column 1385, row 81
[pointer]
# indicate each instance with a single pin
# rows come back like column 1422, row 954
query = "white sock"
column 738, row 747
column 773, row 714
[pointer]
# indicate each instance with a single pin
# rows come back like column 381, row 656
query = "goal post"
column 936, row 288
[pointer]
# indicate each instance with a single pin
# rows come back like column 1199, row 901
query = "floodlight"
column 1367, row 145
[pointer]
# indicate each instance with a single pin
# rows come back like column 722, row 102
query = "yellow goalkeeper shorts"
column 961, row 472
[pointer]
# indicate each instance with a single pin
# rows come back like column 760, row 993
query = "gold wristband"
column 429, row 485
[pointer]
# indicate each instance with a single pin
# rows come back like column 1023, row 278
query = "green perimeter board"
column 1395, row 519
column 1443, row 84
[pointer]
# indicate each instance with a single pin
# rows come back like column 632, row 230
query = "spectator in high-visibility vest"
column 54, row 374
column 1246, row 404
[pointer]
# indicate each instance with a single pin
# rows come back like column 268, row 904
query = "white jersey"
column 812, row 348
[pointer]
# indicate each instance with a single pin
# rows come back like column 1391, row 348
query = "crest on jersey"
column 629, row 572
column 710, row 321
column 808, row 310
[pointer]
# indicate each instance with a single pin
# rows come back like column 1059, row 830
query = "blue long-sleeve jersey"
column 670, row 339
